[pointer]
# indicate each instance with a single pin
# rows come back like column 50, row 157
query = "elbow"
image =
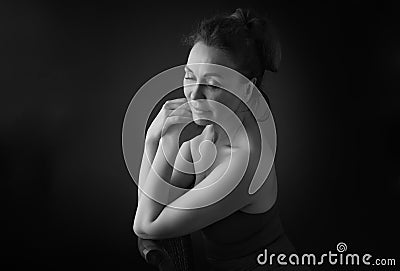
column 136, row 229
column 139, row 231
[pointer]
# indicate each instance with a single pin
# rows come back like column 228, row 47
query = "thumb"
column 210, row 133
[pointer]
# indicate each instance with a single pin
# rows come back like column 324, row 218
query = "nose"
column 197, row 92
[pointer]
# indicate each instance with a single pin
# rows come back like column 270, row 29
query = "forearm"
column 149, row 152
column 156, row 186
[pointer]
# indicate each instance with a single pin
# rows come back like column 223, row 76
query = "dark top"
column 234, row 242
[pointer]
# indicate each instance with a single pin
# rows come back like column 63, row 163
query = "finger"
column 175, row 120
column 180, row 112
column 179, row 100
column 172, row 104
column 209, row 133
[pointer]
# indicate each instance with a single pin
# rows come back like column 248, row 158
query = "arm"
column 221, row 193
column 157, row 184
column 183, row 174
column 179, row 178
column 150, row 148
column 179, row 112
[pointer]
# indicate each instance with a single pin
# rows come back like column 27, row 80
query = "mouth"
column 197, row 107
column 199, row 110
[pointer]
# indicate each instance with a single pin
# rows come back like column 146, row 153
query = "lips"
column 200, row 110
column 198, row 107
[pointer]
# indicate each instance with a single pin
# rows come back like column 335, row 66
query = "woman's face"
column 203, row 84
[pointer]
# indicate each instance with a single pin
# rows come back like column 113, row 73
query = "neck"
column 232, row 128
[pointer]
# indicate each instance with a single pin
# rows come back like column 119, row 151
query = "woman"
column 240, row 226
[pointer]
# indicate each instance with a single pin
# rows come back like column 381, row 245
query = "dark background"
column 69, row 71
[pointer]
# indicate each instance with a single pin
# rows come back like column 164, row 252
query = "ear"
column 249, row 88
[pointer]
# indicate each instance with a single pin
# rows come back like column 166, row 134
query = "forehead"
column 224, row 68
column 202, row 53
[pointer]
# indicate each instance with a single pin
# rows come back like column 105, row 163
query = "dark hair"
column 246, row 36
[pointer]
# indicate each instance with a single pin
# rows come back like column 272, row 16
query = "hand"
column 209, row 133
column 173, row 115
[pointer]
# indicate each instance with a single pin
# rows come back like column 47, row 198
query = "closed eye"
column 213, row 87
column 189, row 76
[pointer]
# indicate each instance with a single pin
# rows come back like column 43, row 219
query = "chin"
column 202, row 122
column 201, row 119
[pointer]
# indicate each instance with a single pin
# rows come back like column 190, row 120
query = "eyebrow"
column 207, row 74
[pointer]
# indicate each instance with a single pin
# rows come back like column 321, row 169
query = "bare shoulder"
column 195, row 142
column 263, row 199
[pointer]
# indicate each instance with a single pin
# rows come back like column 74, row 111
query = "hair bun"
column 242, row 14
column 264, row 35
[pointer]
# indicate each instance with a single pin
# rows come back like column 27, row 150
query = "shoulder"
column 195, row 141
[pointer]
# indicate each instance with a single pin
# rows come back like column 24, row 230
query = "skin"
column 155, row 220
column 201, row 88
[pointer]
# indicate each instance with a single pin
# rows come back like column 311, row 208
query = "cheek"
column 228, row 100
column 220, row 101
column 186, row 92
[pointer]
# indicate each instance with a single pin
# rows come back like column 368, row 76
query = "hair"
column 245, row 36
